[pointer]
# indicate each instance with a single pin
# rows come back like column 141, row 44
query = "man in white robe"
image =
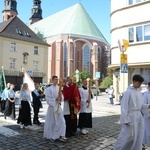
column 131, row 119
column 146, row 139
column 54, row 127
column 85, row 116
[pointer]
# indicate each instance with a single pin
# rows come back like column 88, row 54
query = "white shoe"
column 83, row 131
column 86, row 131
column 26, row 127
column 63, row 139
column 21, row 126
column 52, row 140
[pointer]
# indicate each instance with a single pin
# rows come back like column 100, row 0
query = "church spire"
column 10, row 9
column 36, row 13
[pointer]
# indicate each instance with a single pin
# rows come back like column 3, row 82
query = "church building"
column 76, row 42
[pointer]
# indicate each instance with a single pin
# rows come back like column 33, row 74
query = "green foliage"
column 84, row 74
column 107, row 81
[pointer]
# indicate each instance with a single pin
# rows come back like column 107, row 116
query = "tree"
column 107, row 81
column 84, row 74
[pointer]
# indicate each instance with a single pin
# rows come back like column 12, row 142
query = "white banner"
column 29, row 81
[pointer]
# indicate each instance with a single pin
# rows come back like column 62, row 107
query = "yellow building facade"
column 21, row 49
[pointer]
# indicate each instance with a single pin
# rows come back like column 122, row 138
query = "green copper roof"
column 73, row 20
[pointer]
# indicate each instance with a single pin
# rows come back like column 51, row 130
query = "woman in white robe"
column 54, row 127
column 131, row 119
column 146, row 139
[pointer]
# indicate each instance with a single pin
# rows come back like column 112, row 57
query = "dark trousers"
column 36, row 112
column 3, row 103
column 10, row 109
column 71, row 126
column 111, row 101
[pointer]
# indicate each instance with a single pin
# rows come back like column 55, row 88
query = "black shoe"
column 68, row 135
column 39, row 123
column 73, row 133
column 4, row 117
column 35, row 122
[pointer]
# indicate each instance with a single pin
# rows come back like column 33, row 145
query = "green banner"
column 2, row 81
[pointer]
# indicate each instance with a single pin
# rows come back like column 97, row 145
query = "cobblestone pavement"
column 101, row 137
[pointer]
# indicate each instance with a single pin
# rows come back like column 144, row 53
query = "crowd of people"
column 60, row 122
column 27, row 100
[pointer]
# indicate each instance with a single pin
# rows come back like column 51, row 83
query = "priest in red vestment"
column 71, row 106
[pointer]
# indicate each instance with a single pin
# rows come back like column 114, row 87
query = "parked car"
column 95, row 90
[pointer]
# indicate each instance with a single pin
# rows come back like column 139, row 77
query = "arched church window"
column 65, row 60
column 99, row 52
column 73, row 56
column 86, row 58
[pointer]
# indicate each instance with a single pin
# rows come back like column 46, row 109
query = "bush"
column 107, row 81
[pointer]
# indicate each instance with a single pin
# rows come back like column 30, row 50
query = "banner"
column 29, row 81
column 2, row 81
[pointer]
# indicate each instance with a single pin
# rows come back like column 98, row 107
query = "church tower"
column 10, row 9
column 36, row 13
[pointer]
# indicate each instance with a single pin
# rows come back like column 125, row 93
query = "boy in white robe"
column 146, row 139
column 54, row 127
column 131, row 119
column 85, row 116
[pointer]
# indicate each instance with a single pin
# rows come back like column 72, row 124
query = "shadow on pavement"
column 101, row 137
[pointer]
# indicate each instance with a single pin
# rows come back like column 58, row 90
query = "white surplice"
column 54, row 126
column 131, row 136
column 85, row 108
column 146, row 139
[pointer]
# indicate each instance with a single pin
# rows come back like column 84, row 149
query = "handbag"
column 113, row 96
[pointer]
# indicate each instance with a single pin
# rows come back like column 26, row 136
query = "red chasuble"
column 71, row 93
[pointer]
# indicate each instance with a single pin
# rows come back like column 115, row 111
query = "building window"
column 99, row 52
column 142, row 33
column 139, row 34
column 13, row 46
column 73, row 60
column 147, row 32
column 36, row 51
column 131, row 34
column 86, row 58
column 130, row 2
column 65, row 60
column 12, row 63
column 35, row 65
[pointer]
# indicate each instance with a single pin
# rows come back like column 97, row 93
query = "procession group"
column 60, row 122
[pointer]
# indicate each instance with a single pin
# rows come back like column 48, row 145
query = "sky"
column 98, row 10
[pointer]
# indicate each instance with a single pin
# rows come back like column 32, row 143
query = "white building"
column 130, row 20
